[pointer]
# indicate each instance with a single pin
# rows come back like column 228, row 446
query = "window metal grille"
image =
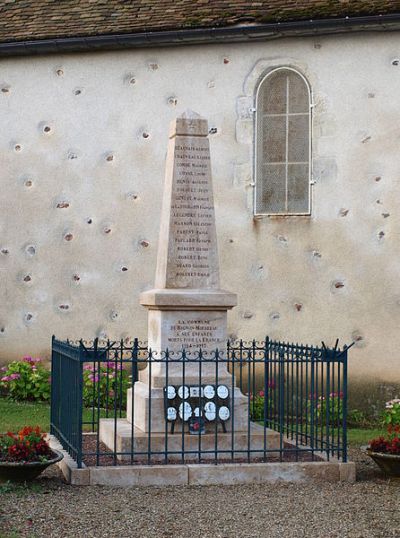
column 283, row 144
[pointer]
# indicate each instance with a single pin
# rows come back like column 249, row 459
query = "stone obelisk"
column 187, row 310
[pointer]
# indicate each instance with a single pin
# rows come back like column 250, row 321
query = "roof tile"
column 42, row 19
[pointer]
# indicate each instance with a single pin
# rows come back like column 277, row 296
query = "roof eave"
column 239, row 33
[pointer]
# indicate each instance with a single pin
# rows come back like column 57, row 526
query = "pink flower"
column 114, row 366
column 14, row 376
column 5, row 378
column 336, row 395
column 261, row 393
column 94, row 378
column 4, row 369
column 27, row 358
column 89, row 367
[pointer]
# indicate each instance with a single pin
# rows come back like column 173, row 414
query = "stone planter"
column 389, row 463
column 20, row 472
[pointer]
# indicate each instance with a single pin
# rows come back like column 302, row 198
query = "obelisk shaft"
column 187, row 252
column 187, row 309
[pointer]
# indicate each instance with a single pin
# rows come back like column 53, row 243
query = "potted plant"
column 385, row 450
column 24, row 455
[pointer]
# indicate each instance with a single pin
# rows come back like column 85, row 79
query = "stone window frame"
column 262, row 79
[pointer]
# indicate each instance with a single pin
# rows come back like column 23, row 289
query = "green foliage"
column 357, row 418
column 260, row 401
column 326, row 410
column 391, row 415
column 26, row 380
column 391, row 419
column 105, row 385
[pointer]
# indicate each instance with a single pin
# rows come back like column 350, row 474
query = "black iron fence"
column 116, row 403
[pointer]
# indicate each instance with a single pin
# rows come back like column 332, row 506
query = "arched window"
column 283, row 144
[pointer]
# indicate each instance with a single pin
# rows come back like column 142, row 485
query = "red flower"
column 379, row 445
column 28, row 445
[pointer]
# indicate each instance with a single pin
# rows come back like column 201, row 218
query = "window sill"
column 282, row 216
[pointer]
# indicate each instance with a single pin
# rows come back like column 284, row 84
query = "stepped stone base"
column 208, row 441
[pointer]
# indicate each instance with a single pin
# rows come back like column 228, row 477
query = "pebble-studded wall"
column 83, row 142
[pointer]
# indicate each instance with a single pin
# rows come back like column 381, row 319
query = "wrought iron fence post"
column 135, row 354
column 79, row 397
column 281, row 402
column 312, row 401
column 344, row 439
column 52, row 387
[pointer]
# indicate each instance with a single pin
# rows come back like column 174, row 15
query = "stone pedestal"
column 191, row 320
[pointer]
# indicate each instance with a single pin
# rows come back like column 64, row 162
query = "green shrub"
column 28, row 380
column 105, row 385
column 391, row 415
column 259, row 401
column 357, row 419
column 321, row 406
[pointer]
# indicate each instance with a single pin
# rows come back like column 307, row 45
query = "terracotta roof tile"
column 22, row 20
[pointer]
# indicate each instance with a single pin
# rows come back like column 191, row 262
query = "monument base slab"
column 223, row 443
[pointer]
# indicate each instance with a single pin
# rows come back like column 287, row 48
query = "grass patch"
column 16, row 415
column 358, row 437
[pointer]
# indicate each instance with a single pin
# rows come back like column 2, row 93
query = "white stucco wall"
column 80, row 203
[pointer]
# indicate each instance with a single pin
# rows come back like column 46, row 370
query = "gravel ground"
column 368, row 508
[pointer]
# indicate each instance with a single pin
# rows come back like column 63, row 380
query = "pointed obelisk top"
column 187, row 253
column 189, row 124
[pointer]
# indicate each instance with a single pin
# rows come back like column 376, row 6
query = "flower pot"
column 22, row 471
column 389, row 463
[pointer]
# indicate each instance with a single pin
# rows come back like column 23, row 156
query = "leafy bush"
column 357, row 419
column 105, row 385
column 28, row 379
column 28, row 444
column 258, row 403
column 323, row 405
column 391, row 419
column 391, row 415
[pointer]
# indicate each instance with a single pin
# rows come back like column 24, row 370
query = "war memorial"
column 201, row 409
